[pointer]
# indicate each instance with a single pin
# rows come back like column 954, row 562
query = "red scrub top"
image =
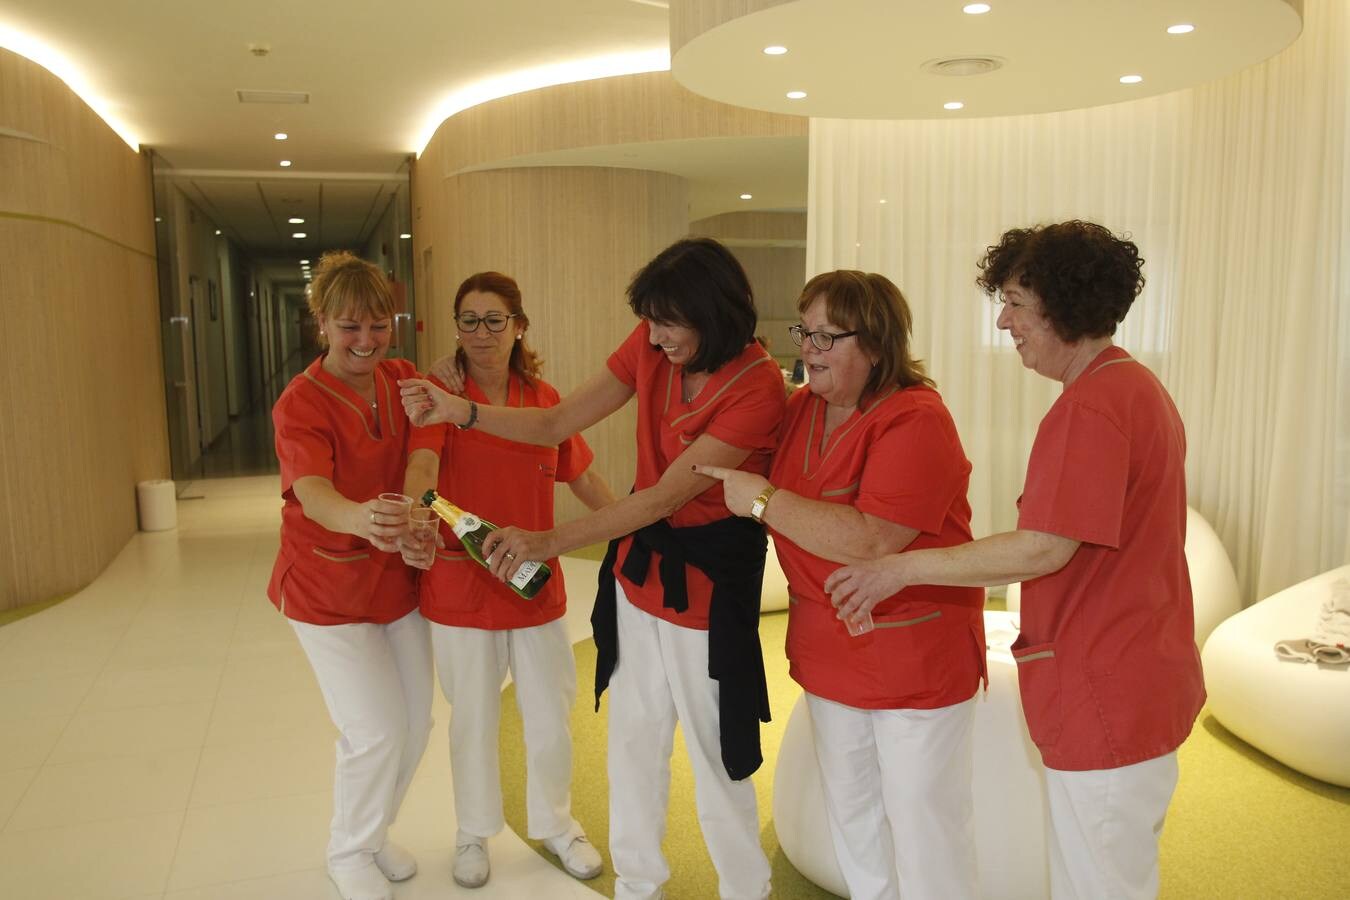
column 325, row 428
column 506, row 483
column 741, row 404
column 1107, row 663
column 898, row 459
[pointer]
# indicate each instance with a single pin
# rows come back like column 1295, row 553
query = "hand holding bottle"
column 520, row 572
column 507, row 549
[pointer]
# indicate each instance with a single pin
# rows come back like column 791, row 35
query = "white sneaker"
column 471, row 867
column 395, row 862
column 576, row 854
column 365, row 883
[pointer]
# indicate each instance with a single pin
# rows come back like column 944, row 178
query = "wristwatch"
column 757, row 505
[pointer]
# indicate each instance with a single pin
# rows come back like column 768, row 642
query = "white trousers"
column 662, row 678
column 1104, row 829
column 898, row 796
column 376, row 681
column 472, row 664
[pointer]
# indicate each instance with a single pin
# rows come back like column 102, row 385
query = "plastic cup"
column 397, row 505
column 859, row 626
column 422, row 523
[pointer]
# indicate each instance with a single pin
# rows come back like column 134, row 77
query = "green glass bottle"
column 471, row 530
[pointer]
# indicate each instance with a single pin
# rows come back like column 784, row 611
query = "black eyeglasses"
column 495, row 322
column 823, row 340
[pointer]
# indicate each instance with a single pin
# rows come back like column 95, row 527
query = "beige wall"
column 83, row 396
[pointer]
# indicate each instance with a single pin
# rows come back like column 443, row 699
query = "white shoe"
column 395, row 862
column 576, row 854
column 471, row 868
column 365, row 883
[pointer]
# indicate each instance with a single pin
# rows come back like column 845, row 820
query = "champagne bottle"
column 471, row 531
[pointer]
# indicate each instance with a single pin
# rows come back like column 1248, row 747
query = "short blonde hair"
column 346, row 285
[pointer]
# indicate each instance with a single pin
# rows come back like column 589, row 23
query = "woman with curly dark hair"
column 1107, row 665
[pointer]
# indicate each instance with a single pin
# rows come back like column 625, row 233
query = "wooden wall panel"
column 83, row 393
column 621, row 110
column 572, row 238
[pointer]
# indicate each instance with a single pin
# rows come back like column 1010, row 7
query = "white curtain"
column 1237, row 194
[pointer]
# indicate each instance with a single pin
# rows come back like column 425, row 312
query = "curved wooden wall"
column 571, row 236
column 83, row 400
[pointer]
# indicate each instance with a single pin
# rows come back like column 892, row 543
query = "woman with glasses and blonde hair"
column 480, row 628
column 870, row 463
column 343, row 442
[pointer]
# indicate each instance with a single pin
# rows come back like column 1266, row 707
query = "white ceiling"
column 380, row 79
column 866, row 58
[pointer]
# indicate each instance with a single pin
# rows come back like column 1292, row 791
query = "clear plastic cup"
column 397, row 505
column 422, row 523
column 859, row 626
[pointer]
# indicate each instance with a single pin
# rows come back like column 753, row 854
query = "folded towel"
column 1330, row 643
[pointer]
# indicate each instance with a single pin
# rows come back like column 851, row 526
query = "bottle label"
column 524, row 574
column 467, row 523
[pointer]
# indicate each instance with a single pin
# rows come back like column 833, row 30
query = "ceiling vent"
column 273, row 96
column 963, row 65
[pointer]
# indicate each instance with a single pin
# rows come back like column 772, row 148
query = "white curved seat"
column 1214, row 586
column 774, row 597
column 1298, row 713
column 1009, row 787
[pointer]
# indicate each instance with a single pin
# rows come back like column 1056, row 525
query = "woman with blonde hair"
column 342, row 440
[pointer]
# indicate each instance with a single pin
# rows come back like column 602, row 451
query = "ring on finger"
column 510, row 555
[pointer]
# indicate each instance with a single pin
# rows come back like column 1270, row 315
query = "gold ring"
column 510, row 555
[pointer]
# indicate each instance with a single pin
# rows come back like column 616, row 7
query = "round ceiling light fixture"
column 280, row 136
column 976, row 9
column 1131, row 79
column 796, row 95
column 747, row 196
column 299, row 234
column 775, row 50
column 285, row 163
column 962, row 66
column 1180, row 28
column 953, row 104
column 295, row 220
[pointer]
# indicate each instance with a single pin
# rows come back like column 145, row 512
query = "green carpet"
column 1240, row 826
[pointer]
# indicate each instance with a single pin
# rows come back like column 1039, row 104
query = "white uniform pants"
column 898, row 796
column 472, row 664
column 376, row 681
column 1104, row 828
column 661, row 678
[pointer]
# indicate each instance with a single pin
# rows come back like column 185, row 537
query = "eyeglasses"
column 823, row 340
column 495, row 322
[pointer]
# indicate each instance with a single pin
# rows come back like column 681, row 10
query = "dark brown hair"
column 524, row 361
column 873, row 306
column 1086, row 277
column 698, row 283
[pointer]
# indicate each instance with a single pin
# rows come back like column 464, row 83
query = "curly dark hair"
column 1086, row 277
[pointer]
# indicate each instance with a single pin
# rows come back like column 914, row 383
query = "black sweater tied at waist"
column 731, row 553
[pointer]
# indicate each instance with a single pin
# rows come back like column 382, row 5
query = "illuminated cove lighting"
column 37, row 51
column 635, row 63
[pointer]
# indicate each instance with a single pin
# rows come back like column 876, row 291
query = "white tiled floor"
column 162, row 737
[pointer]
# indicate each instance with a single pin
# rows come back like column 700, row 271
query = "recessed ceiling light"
column 882, row 200
column 299, row 234
column 976, row 9
column 285, row 163
column 158, row 219
column 405, row 236
column 217, row 231
column 293, row 220
column 747, row 196
column 1131, row 79
column 281, row 135
column 796, row 95
column 1182, row 28
column 775, row 50
column 304, row 262
column 954, row 104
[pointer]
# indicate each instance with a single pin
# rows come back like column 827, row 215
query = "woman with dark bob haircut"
column 677, row 615
column 1107, row 665
column 870, row 463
